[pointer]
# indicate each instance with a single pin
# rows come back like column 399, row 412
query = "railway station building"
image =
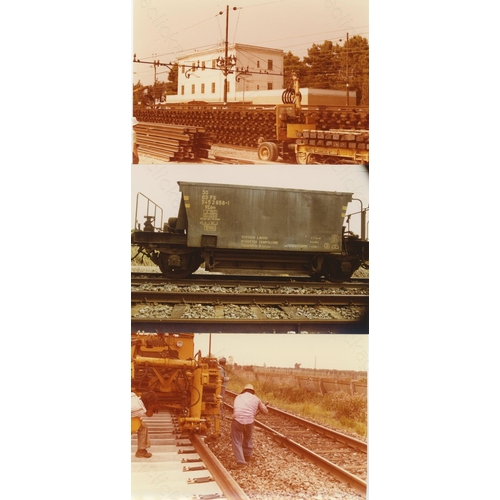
column 255, row 77
column 252, row 70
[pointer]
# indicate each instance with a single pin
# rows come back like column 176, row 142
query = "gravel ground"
column 276, row 473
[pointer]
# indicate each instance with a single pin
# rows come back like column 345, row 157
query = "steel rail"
column 150, row 479
column 343, row 475
column 320, row 429
column 217, row 279
column 267, row 284
column 138, row 296
column 336, row 435
column 353, row 481
column 227, row 484
column 225, row 325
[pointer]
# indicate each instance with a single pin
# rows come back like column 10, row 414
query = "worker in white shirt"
column 246, row 407
column 138, row 412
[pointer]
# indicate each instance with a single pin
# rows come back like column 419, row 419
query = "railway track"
column 259, row 304
column 256, row 308
column 342, row 456
column 181, row 467
column 249, row 280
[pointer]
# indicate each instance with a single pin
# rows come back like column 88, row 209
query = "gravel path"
column 276, row 473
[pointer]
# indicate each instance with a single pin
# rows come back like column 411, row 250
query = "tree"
column 173, row 80
column 323, row 66
column 158, row 90
column 138, row 90
column 355, row 57
column 293, row 63
column 330, row 66
column 297, row 366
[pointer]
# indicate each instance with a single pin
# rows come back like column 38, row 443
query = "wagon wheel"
column 188, row 265
column 268, row 151
column 316, row 276
column 301, row 158
column 335, row 272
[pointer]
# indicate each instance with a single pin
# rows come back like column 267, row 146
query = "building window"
column 258, row 87
column 213, row 87
column 182, row 89
column 193, row 67
column 270, row 64
column 203, row 66
column 269, row 86
column 258, row 64
column 228, row 87
column 192, row 88
column 183, row 68
column 202, row 88
column 214, row 63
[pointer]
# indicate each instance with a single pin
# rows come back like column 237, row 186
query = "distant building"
column 255, row 69
column 257, row 77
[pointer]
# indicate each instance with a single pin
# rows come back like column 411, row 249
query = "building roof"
column 231, row 46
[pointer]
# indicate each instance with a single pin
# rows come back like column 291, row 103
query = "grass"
column 140, row 259
column 339, row 410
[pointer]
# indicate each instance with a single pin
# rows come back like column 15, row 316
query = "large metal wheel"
column 301, row 158
column 337, row 270
column 186, row 265
column 268, row 151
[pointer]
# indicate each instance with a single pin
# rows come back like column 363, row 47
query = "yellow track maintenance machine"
column 299, row 141
column 187, row 384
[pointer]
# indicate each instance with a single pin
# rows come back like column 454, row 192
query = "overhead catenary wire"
column 278, row 71
column 285, row 49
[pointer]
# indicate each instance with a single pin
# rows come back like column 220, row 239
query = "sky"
column 327, row 352
column 166, row 29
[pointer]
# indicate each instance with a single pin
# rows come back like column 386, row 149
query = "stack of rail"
column 346, row 139
column 173, row 142
column 245, row 126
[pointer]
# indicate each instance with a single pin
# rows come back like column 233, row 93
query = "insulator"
column 288, row 96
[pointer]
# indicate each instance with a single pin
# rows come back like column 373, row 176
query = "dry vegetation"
column 338, row 410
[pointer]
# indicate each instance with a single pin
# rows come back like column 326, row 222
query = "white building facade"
column 255, row 69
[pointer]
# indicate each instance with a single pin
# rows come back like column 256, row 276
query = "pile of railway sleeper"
column 245, row 126
column 173, row 142
column 347, row 139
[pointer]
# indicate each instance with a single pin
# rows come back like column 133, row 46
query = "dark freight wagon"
column 254, row 228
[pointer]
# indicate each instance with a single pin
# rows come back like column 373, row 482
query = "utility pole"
column 347, row 70
column 227, row 63
column 225, row 56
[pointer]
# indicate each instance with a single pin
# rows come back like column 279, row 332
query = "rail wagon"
column 230, row 227
column 185, row 383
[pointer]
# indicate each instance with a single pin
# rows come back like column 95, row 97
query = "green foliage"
column 173, row 80
column 149, row 95
column 332, row 66
column 324, row 67
column 347, row 406
column 292, row 64
column 138, row 90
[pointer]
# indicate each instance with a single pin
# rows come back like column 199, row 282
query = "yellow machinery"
column 186, row 383
column 299, row 141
